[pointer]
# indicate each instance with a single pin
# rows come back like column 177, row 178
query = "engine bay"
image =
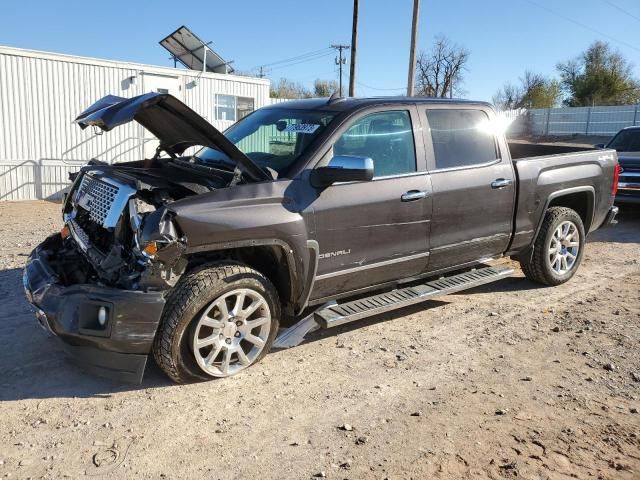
column 117, row 219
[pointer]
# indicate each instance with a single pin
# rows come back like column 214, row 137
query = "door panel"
column 374, row 232
column 368, row 235
column 473, row 187
column 471, row 220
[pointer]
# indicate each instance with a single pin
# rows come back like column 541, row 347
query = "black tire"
column 172, row 347
column 537, row 265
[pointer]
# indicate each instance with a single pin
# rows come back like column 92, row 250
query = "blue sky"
column 505, row 37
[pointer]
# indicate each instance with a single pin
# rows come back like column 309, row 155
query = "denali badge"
column 337, row 253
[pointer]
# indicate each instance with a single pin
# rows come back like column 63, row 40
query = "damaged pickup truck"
column 309, row 214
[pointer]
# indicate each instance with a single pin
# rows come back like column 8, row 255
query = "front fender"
column 250, row 215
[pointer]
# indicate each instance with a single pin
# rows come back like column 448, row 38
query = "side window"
column 461, row 137
column 386, row 137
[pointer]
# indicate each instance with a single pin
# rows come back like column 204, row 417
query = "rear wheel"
column 558, row 248
column 217, row 322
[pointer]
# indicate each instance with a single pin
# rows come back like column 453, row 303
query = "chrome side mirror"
column 343, row 168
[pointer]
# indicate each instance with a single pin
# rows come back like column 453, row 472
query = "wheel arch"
column 581, row 199
column 275, row 259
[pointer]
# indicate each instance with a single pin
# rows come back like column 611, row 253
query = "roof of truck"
column 349, row 103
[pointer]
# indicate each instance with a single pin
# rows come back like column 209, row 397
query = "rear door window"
column 386, row 137
column 461, row 138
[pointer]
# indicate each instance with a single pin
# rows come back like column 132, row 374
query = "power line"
column 297, row 57
column 310, row 59
column 626, row 12
column 376, row 88
column 587, row 27
column 319, row 76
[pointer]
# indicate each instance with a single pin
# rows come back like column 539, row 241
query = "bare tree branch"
column 440, row 71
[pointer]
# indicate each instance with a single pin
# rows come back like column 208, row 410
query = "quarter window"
column 386, row 137
column 461, row 138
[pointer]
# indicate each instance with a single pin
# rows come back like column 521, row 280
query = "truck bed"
column 585, row 174
column 523, row 149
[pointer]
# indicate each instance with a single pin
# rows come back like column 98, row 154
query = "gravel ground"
column 503, row 381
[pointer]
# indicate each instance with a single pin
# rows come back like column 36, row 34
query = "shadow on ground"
column 627, row 230
column 33, row 363
column 34, row 366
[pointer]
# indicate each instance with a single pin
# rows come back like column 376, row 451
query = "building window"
column 226, row 107
column 244, row 107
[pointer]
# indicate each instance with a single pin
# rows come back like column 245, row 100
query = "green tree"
column 534, row 91
column 324, row 88
column 599, row 76
column 286, row 88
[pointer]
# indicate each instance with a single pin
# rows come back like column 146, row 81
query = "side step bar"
column 335, row 314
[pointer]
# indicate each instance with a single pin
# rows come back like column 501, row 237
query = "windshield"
column 626, row 141
column 272, row 138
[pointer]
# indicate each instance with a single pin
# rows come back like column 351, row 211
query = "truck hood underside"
column 171, row 121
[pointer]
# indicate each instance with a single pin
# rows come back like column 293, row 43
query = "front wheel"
column 558, row 248
column 217, row 322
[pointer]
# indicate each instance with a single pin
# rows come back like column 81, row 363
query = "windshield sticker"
column 301, row 128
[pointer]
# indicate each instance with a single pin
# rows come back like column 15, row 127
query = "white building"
column 41, row 94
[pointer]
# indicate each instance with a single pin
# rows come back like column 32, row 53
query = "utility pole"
column 261, row 73
column 412, row 51
column 340, row 60
column 354, row 44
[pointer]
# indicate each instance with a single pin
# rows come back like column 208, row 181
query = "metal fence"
column 601, row 121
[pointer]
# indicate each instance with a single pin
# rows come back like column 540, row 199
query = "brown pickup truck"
column 306, row 214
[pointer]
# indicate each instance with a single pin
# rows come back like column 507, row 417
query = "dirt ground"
column 505, row 381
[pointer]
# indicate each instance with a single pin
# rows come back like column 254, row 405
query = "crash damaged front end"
column 100, row 284
column 124, row 229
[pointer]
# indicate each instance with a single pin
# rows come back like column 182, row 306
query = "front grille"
column 100, row 195
column 91, row 233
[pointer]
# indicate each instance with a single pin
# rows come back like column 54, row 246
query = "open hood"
column 171, row 121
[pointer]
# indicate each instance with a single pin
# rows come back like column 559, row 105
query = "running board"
column 335, row 314
column 339, row 314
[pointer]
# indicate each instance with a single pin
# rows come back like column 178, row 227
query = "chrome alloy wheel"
column 564, row 247
column 231, row 332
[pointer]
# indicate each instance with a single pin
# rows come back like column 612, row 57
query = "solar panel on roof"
column 189, row 50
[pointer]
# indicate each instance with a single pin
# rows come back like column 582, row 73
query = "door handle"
column 413, row 195
column 501, row 183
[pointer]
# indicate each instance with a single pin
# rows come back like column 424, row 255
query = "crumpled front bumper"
column 118, row 349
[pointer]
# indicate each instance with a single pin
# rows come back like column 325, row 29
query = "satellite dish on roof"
column 193, row 53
